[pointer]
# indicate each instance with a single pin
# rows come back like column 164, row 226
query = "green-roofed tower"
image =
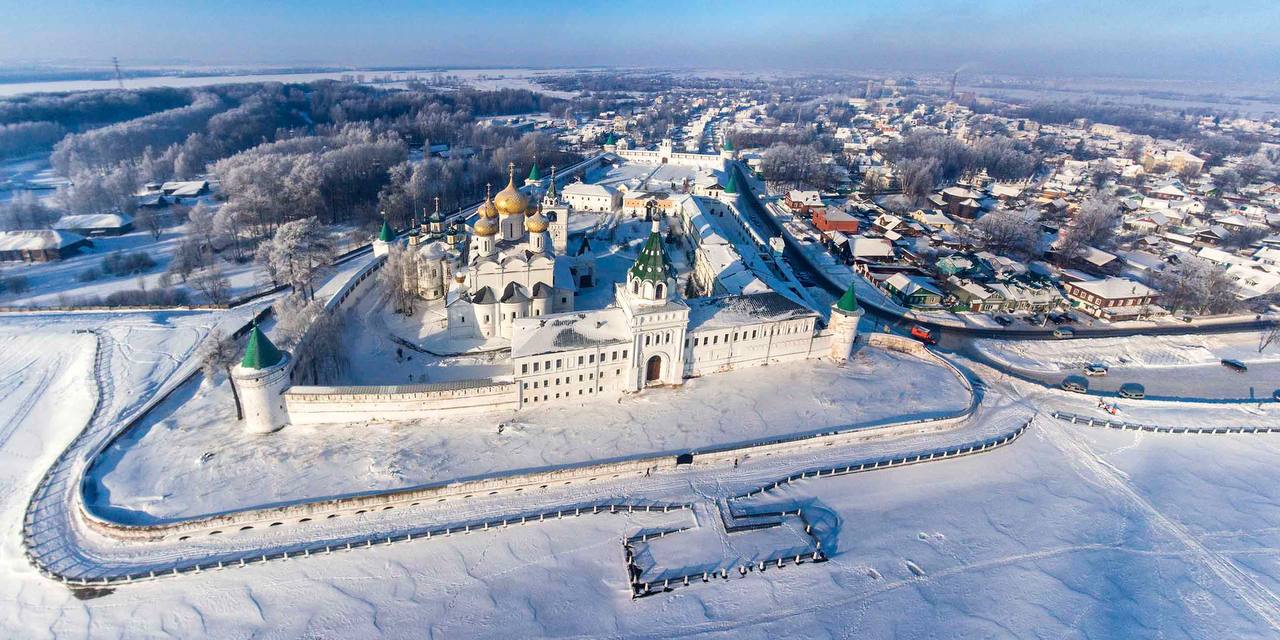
column 728, row 144
column 259, row 353
column 652, row 265
column 535, row 174
column 848, row 301
column 260, row 381
column 845, row 314
column 731, row 187
column 386, row 234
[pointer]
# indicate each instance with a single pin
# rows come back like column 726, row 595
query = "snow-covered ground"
column 190, row 458
column 1168, row 366
column 1068, row 532
column 1131, row 351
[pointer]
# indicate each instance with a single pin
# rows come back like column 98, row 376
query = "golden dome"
column 536, row 223
column 510, row 201
column 487, row 210
column 485, row 226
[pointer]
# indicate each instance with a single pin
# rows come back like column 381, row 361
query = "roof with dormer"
column 653, row 264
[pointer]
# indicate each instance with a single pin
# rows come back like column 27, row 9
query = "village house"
column 1112, row 298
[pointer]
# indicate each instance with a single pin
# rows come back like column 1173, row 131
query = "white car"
column 1096, row 369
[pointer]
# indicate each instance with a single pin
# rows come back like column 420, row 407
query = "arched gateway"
column 653, row 370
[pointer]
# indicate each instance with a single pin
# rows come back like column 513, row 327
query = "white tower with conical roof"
column 260, row 380
column 845, row 314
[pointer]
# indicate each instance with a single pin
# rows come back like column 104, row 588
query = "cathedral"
column 512, row 264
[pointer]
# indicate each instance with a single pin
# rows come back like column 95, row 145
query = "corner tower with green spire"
column 260, row 381
column 845, row 315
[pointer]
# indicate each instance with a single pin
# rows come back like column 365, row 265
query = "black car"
column 1235, row 365
column 1003, row 321
column 1058, row 318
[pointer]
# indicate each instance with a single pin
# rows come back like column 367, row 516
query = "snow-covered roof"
column 738, row 310
column 93, row 221
column 569, row 332
column 587, row 189
column 1113, row 288
column 37, row 240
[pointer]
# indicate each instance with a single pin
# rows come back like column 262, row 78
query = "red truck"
column 923, row 335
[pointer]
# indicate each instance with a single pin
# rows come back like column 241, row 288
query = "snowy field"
column 190, row 458
column 1069, row 532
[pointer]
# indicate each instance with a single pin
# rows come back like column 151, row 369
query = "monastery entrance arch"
column 653, row 370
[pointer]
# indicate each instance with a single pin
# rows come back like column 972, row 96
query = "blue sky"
column 1172, row 38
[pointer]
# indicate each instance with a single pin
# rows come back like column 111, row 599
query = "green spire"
column 653, row 264
column 534, row 173
column 728, row 144
column 848, row 301
column 610, row 139
column 386, row 235
column 732, row 187
column 259, row 353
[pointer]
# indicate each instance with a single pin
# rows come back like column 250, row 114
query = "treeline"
column 29, row 137
column 927, row 160
column 1140, row 120
column 78, row 111
column 124, row 141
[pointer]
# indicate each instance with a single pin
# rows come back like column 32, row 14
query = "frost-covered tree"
column 399, row 276
column 297, row 251
column 1011, row 233
column 1196, row 285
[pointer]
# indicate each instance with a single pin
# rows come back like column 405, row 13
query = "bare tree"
column 212, row 283
column 1008, row 232
column 1268, row 336
column 217, row 354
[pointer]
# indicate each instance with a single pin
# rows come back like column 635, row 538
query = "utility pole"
column 119, row 78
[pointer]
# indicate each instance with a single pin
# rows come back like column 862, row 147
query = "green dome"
column 259, row 353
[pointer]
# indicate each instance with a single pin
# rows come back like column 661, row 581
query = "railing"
column 1105, row 423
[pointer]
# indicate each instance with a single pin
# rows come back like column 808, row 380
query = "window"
column 753, row 334
column 613, row 355
column 714, row 340
column 486, row 318
column 558, row 364
column 646, row 341
column 548, row 365
column 524, row 368
column 659, row 290
column 579, row 361
column 535, row 367
column 591, row 359
column 635, row 286
column 624, row 354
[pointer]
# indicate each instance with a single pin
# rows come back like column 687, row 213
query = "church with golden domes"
column 511, row 269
